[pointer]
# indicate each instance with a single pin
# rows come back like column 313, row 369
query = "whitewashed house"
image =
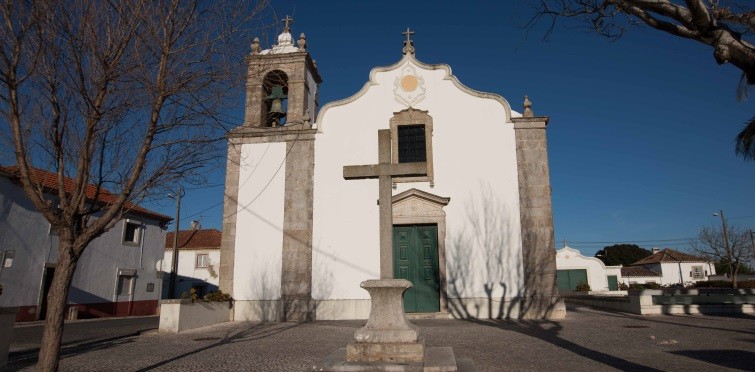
column 198, row 261
column 668, row 266
column 573, row 268
column 116, row 276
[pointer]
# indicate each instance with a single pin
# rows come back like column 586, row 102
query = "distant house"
column 572, row 268
column 117, row 274
column 198, row 260
column 639, row 275
column 668, row 266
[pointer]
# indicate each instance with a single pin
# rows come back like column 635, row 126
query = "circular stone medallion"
column 409, row 83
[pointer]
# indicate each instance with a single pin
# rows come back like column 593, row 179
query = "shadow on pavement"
column 548, row 331
column 657, row 318
column 27, row 358
column 737, row 359
column 255, row 331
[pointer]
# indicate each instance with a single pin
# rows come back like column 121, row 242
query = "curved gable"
column 410, row 61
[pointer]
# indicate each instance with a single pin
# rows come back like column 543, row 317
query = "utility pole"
column 174, row 266
column 726, row 247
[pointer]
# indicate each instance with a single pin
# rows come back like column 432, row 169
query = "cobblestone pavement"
column 588, row 340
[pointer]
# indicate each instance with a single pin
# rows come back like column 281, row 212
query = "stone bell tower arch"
column 281, row 105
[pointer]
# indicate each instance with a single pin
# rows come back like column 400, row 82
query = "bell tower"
column 281, row 107
column 281, row 85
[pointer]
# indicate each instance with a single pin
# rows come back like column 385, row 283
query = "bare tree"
column 731, row 248
column 728, row 27
column 126, row 95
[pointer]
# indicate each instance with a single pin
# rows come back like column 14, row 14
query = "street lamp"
column 726, row 239
column 174, row 266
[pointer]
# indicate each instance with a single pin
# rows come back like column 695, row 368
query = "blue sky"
column 641, row 137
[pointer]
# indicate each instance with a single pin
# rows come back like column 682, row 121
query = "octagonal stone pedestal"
column 388, row 342
column 387, row 336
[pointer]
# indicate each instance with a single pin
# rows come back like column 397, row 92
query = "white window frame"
column 138, row 234
column 701, row 274
column 203, row 265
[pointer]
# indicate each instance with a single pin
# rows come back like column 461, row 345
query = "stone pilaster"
column 296, row 272
column 540, row 298
column 230, row 207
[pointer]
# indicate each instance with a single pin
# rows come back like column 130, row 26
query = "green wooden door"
column 613, row 283
column 415, row 258
column 567, row 280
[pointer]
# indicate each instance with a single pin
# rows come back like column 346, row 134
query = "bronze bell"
column 276, row 106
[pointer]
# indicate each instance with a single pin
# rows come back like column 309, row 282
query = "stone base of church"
column 459, row 308
column 506, row 308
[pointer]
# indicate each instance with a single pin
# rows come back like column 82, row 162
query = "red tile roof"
column 669, row 255
column 635, row 271
column 49, row 182
column 194, row 239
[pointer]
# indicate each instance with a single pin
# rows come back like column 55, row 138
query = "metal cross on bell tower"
column 288, row 21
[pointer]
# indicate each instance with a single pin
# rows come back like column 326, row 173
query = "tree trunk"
column 734, row 271
column 49, row 351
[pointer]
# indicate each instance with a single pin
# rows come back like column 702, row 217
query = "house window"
column 132, row 232
column 697, row 272
column 201, row 260
column 411, row 144
column 8, row 258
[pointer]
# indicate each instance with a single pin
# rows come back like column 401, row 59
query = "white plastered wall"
column 259, row 222
column 474, row 164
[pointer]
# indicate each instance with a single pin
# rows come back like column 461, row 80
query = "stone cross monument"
column 388, row 336
column 384, row 171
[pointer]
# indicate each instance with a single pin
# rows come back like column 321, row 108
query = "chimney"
column 656, row 250
column 195, row 225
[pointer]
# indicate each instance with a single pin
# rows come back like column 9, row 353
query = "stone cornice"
column 248, row 134
column 537, row 122
column 422, row 195
column 262, row 59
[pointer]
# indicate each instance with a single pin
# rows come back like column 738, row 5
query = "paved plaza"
column 587, row 340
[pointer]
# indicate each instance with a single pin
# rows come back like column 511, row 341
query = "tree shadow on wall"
column 483, row 245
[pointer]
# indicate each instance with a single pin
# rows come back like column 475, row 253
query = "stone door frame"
column 416, row 207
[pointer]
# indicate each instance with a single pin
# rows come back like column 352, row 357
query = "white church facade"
column 473, row 231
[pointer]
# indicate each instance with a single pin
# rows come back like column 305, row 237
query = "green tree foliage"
column 622, row 254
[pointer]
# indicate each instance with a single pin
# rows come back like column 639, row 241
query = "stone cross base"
column 387, row 336
column 388, row 342
column 386, row 351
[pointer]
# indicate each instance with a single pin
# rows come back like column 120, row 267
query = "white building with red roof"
column 668, row 266
column 117, row 275
column 198, row 261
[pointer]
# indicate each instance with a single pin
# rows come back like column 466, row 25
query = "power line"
column 635, row 241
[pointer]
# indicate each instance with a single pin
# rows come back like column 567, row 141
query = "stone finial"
column 256, row 49
column 527, row 108
column 302, row 42
column 408, row 43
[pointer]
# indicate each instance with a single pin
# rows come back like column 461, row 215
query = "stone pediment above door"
column 417, row 203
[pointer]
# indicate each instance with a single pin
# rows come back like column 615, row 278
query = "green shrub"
column 217, row 296
column 641, row 286
column 583, row 287
column 623, row 287
column 746, row 284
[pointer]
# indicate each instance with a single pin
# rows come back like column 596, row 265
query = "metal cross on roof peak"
column 288, row 20
column 408, row 33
